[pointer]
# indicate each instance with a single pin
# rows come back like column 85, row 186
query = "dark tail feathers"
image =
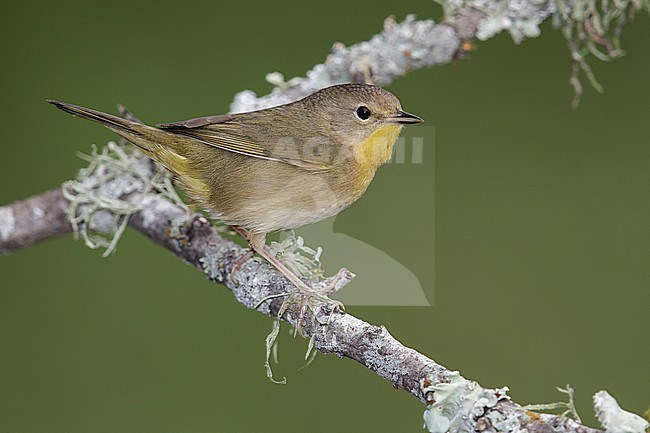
column 137, row 133
column 105, row 119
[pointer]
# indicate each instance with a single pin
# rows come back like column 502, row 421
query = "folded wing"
column 253, row 135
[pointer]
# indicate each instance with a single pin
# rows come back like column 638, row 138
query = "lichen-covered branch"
column 589, row 27
column 194, row 239
column 121, row 189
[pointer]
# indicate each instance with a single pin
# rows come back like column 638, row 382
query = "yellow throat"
column 373, row 152
column 378, row 148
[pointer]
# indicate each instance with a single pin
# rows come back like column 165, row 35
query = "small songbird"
column 277, row 168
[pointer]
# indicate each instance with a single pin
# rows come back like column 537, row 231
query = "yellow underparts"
column 193, row 183
column 375, row 151
column 378, row 148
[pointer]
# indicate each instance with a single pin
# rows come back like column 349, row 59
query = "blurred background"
column 538, row 216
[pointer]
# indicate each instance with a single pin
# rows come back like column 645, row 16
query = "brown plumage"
column 278, row 168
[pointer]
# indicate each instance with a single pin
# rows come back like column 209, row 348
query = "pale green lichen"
column 271, row 349
column 311, row 352
column 97, row 211
column 590, row 27
column 277, row 79
column 593, row 28
column 304, row 262
column 613, row 419
column 568, row 406
column 298, row 257
column 457, row 404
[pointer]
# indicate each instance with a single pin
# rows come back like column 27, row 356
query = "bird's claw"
column 313, row 299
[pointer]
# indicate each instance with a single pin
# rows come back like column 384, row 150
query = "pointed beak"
column 405, row 118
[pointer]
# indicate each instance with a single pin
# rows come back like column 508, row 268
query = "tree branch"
column 31, row 221
column 198, row 243
column 453, row 403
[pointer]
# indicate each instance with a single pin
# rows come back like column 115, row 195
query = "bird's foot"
column 304, row 297
column 311, row 301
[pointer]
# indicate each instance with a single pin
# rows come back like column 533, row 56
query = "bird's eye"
column 363, row 112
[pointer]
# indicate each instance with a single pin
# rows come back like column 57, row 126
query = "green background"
column 542, row 234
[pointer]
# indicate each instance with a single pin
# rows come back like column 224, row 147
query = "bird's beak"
column 404, row 118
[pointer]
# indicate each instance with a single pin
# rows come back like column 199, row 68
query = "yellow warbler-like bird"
column 278, row 168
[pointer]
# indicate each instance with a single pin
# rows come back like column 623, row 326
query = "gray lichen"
column 392, row 366
column 593, row 28
column 98, row 212
column 589, row 27
column 456, row 406
column 253, row 277
column 520, row 18
column 613, row 419
column 398, row 49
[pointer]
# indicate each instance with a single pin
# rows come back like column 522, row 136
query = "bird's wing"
column 230, row 133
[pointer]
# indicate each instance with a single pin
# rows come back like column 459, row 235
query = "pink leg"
column 257, row 242
column 238, row 263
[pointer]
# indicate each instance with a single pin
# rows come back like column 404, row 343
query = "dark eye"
column 363, row 113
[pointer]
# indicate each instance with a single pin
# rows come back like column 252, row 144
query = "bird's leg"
column 244, row 257
column 305, row 294
column 238, row 263
column 257, row 242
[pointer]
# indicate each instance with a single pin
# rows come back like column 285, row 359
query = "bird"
column 277, row 168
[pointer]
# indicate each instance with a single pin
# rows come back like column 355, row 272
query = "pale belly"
column 268, row 203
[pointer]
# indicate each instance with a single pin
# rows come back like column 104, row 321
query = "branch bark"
column 28, row 222
column 398, row 49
